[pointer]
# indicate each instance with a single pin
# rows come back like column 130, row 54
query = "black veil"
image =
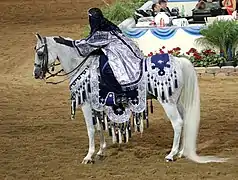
column 98, row 22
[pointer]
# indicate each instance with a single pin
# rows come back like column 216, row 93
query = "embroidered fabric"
column 165, row 86
column 79, row 87
column 124, row 117
column 96, row 105
column 142, row 93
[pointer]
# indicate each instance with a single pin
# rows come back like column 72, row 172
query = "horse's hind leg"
column 181, row 112
column 87, row 112
column 177, row 123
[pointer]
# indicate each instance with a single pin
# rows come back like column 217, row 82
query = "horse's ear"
column 38, row 36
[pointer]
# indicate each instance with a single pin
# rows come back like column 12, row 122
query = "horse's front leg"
column 87, row 112
column 103, row 144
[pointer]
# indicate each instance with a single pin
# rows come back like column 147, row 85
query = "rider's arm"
column 83, row 47
column 95, row 42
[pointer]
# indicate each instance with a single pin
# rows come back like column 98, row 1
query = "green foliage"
column 121, row 10
column 220, row 34
column 86, row 31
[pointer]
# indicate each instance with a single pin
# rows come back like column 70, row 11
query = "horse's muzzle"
column 38, row 74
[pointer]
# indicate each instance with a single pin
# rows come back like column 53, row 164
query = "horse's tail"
column 191, row 102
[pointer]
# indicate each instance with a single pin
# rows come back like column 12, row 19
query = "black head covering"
column 98, row 22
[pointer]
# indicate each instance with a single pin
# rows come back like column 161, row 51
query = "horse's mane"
column 66, row 38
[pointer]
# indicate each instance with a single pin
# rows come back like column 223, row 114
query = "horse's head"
column 44, row 56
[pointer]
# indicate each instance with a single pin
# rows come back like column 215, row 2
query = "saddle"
column 110, row 91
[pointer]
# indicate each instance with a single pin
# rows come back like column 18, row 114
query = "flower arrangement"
column 175, row 51
column 205, row 58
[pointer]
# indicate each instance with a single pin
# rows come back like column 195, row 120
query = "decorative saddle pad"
column 162, row 76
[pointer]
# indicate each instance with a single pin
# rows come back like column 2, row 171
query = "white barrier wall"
column 149, row 43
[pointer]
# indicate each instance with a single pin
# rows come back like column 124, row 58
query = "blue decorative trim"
column 135, row 33
column 193, row 30
column 164, row 33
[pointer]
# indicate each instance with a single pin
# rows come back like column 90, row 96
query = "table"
column 152, row 39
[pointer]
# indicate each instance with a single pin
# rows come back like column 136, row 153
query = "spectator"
column 164, row 7
column 142, row 11
column 203, row 4
column 230, row 6
column 155, row 9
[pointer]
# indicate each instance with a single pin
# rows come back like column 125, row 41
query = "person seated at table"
column 201, row 4
column 165, row 8
column 155, row 9
column 144, row 11
column 206, row 4
column 229, row 6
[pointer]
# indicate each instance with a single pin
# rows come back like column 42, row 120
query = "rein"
column 77, row 67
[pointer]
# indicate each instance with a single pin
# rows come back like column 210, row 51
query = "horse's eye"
column 35, row 48
column 39, row 53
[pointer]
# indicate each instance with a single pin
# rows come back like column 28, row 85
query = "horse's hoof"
column 180, row 155
column 100, row 157
column 169, row 159
column 87, row 161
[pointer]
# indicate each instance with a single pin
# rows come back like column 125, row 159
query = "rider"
column 124, row 57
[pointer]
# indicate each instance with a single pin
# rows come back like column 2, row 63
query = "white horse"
column 182, row 107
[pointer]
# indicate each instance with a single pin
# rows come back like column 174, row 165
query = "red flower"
column 170, row 51
column 163, row 47
column 192, row 50
column 188, row 53
column 197, row 57
column 150, row 54
column 196, row 54
column 161, row 51
column 177, row 48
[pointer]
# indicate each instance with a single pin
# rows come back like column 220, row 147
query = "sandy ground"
column 39, row 141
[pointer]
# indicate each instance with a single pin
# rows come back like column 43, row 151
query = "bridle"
column 44, row 59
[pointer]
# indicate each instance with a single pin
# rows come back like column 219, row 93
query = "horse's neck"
column 68, row 58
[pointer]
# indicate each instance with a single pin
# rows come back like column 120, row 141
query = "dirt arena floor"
column 39, row 141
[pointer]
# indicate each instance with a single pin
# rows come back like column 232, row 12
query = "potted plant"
column 223, row 36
